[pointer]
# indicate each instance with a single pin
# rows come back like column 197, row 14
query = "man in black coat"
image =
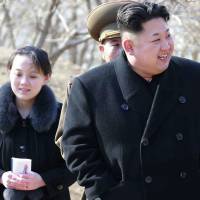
column 132, row 126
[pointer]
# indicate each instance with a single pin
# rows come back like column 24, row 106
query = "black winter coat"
column 119, row 152
column 34, row 138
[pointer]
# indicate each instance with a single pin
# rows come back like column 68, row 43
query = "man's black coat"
column 114, row 153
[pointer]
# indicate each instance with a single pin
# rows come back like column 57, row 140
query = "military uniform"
column 101, row 21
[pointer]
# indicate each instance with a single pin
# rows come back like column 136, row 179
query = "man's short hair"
column 131, row 16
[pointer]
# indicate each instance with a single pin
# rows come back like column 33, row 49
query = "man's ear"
column 128, row 46
column 101, row 48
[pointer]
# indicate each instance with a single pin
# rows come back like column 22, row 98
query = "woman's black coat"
column 34, row 138
column 120, row 153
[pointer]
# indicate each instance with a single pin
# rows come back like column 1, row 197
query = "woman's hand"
column 13, row 181
column 33, row 181
column 29, row 181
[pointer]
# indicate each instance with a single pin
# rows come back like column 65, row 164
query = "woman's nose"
column 24, row 80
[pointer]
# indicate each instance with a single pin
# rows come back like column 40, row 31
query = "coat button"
column 182, row 99
column 179, row 136
column 148, row 179
column 145, row 142
column 124, row 106
column 22, row 148
column 183, row 175
column 60, row 187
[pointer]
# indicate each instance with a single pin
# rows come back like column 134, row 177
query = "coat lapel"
column 164, row 104
column 137, row 97
column 132, row 88
column 167, row 97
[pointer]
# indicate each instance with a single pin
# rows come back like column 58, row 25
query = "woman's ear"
column 47, row 78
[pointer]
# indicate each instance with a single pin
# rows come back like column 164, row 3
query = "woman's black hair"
column 38, row 56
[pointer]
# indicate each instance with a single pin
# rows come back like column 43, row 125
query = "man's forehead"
column 155, row 27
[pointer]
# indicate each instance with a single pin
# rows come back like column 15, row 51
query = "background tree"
column 59, row 26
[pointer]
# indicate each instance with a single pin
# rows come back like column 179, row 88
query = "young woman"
column 29, row 115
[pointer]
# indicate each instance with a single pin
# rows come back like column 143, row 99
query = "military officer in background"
column 102, row 27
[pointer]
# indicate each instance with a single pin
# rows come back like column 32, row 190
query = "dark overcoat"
column 114, row 153
column 34, row 138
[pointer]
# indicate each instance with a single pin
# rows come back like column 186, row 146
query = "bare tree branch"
column 8, row 22
column 47, row 23
column 69, row 44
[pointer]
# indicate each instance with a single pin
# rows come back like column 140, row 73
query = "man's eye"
column 116, row 45
column 169, row 35
column 156, row 40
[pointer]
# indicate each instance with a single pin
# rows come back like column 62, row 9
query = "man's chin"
column 164, row 65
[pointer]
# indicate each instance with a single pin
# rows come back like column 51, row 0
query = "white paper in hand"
column 21, row 165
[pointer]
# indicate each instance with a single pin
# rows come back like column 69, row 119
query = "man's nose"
column 165, row 45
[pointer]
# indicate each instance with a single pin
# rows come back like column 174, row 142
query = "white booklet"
column 21, row 165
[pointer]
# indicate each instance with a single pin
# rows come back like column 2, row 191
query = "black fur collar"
column 42, row 116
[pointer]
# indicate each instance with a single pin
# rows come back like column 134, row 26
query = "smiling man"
column 149, row 48
column 132, row 127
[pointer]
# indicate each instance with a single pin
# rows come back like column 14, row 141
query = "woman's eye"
column 18, row 75
column 33, row 76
